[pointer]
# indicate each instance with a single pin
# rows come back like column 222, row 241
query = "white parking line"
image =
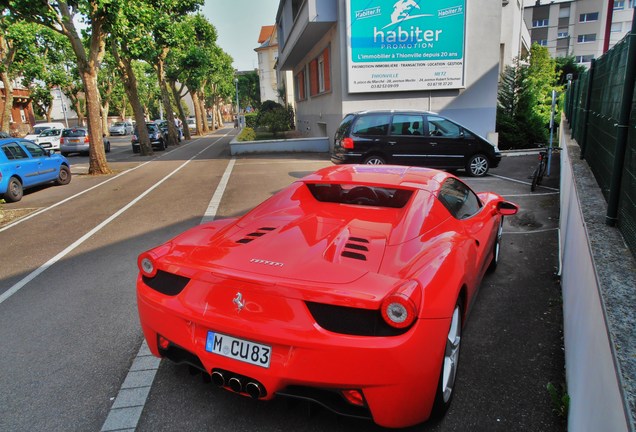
column 521, row 182
column 133, row 393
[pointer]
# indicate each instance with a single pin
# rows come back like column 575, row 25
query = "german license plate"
column 238, row 349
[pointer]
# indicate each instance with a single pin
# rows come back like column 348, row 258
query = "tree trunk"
column 197, row 108
column 5, row 121
column 104, row 110
column 204, row 113
column 97, row 156
column 127, row 73
column 88, row 65
column 176, row 94
column 49, row 112
column 165, row 98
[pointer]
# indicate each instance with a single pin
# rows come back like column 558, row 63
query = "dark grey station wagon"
column 418, row 138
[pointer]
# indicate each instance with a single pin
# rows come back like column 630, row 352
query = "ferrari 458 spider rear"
column 348, row 288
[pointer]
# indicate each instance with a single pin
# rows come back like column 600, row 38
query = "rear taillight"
column 400, row 308
column 347, row 143
column 86, row 140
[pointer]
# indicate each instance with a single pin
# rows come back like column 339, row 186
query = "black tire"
column 65, row 154
column 541, row 173
column 64, row 177
column 535, row 179
column 496, row 248
column 450, row 362
column 162, row 145
column 375, row 160
column 14, row 190
column 136, row 149
column 478, row 165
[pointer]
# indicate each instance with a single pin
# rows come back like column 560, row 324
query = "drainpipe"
column 608, row 25
column 623, row 128
column 586, row 110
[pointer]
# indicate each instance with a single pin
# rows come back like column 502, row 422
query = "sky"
column 238, row 24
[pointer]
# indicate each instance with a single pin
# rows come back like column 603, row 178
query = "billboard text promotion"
column 405, row 45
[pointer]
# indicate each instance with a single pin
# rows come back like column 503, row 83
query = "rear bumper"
column 346, row 158
column 397, row 375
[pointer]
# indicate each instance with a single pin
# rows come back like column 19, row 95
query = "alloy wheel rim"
column 498, row 241
column 451, row 355
column 478, row 166
column 375, row 161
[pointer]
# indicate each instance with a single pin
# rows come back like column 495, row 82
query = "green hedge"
column 247, row 134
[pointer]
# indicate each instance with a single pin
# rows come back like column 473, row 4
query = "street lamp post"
column 238, row 121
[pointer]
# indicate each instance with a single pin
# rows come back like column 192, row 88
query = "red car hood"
column 306, row 248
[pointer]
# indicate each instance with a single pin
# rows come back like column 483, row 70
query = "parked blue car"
column 24, row 164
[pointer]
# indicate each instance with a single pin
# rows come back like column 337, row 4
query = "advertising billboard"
column 405, row 45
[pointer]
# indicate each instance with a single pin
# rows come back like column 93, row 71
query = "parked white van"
column 41, row 127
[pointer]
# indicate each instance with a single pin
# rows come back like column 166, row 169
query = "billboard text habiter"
column 405, row 45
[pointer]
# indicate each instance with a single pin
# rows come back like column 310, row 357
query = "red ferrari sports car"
column 348, row 288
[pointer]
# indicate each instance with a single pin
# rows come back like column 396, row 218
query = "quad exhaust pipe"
column 238, row 384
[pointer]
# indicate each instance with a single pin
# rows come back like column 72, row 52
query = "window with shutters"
column 300, row 86
column 320, row 74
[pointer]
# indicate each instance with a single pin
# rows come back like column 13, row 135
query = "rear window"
column 360, row 195
column 74, row 132
column 344, row 126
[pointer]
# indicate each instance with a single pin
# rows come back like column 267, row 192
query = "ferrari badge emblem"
column 238, row 301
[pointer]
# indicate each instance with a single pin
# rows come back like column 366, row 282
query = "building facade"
column 22, row 117
column 267, row 56
column 584, row 29
column 274, row 85
column 352, row 55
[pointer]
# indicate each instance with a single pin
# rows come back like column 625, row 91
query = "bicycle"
column 539, row 171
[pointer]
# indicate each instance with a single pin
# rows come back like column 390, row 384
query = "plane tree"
column 61, row 16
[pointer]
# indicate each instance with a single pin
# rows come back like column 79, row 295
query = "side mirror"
column 506, row 208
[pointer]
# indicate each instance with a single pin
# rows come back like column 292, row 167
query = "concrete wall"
column 598, row 281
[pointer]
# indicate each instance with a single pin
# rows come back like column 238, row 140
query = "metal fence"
column 601, row 109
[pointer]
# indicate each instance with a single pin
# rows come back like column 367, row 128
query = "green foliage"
column 276, row 120
column 247, row 134
column 251, row 120
column 249, row 90
column 568, row 65
column 560, row 399
column 524, row 101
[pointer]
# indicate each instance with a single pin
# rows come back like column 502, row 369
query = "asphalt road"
column 68, row 318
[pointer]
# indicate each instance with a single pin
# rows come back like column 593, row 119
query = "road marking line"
column 15, row 288
column 133, row 393
column 520, row 181
column 213, row 207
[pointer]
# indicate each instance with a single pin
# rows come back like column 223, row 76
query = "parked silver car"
column 77, row 140
column 121, row 128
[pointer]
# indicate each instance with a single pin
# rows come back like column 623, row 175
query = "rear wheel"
column 14, row 190
column 495, row 253
column 374, row 160
column 477, row 165
column 448, row 373
column 64, row 177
